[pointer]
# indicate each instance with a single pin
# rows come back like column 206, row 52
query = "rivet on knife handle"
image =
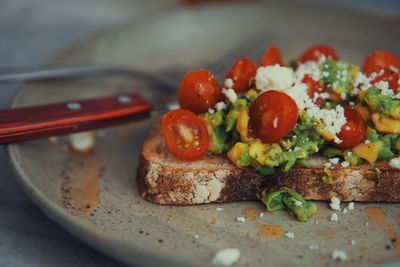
column 28, row 123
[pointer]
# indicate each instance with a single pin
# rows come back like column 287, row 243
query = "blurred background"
column 32, row 32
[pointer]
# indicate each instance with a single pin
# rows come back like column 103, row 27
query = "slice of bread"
column 163, row 179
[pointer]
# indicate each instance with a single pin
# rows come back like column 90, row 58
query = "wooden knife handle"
column 28, row 123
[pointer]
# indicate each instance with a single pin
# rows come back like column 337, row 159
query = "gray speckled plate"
column 94, row 196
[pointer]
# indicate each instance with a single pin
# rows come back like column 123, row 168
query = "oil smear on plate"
column 377, row 215
column 80, row 192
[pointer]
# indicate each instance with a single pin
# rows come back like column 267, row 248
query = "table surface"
column 31, row 32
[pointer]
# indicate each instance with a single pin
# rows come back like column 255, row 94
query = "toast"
column 163, row 179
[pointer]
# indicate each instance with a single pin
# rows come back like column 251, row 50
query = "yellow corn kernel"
column 385, row 124
column 327, row 135
column 369, row 152
column 251, row 93
column 236, row 151
column 257, row 151
column 243, row 123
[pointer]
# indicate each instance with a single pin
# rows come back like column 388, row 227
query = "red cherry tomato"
column 199, row 91
column 353, row 131
column 271, row 56
column 272, row 116
column 391, row 77
column 313, row 87
column 382, row 59
column 185, row 134
column 315, row 52
column 241, row 73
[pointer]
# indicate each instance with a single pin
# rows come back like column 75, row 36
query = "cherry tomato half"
column 272, row 116
column 391, row 77
column 313, row 87
column 199, row 91
column 271, row 56
column 242, row 72
column 315, row 52
column 185, row 134
column 353, row 131
column 380, row 58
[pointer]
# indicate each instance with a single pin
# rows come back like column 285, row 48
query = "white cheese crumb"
column 339, row 255
column 366, row 224
column 353, row 242
column 262, row 214
column 220, row 106
column 83, row 142
column 289, row 235
column 230, row 94
column 350, row 206
column 211, row 111
column 316, row 222
column 196, row 236
column 226, row 257
column 229, row 83
column 395, row 163
column 334, row 160
column 313, row 247
column 219, row 209
column 335, row 203
column 241, row 219
column 274, row 77
column 367, row 142
column 334, row 217
column 345, row 164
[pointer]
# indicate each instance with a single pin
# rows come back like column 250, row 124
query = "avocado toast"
column 317, row 125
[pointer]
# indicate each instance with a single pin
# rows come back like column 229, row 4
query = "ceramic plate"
column 95, row 196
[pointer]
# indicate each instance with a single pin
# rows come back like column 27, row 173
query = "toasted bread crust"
column 163, row 179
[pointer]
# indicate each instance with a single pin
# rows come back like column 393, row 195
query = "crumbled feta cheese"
column 219, row 209
column 311, row 68
column 334, row 217
column 261, row 214
column 367, row 142
column 211, row 111
column 366, row 224
column 350, row 206
column 339, row 255
column 313, row 247
column 196, row 236
column 274, row 77
column 226, row 257
column 334, row 160
column 362, row 81
column 335, row 203
column 395, row 163
column 289, row 235
column 241, row 219
column 83, row 142
column 229, row 83
column 353, row 242
column 230, row 94
column 345, row 164
column 316, row 222
column 220, row 106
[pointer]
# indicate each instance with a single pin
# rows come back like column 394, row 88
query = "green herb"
column 264, row 170
column 288, row 199
column 326, row 179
